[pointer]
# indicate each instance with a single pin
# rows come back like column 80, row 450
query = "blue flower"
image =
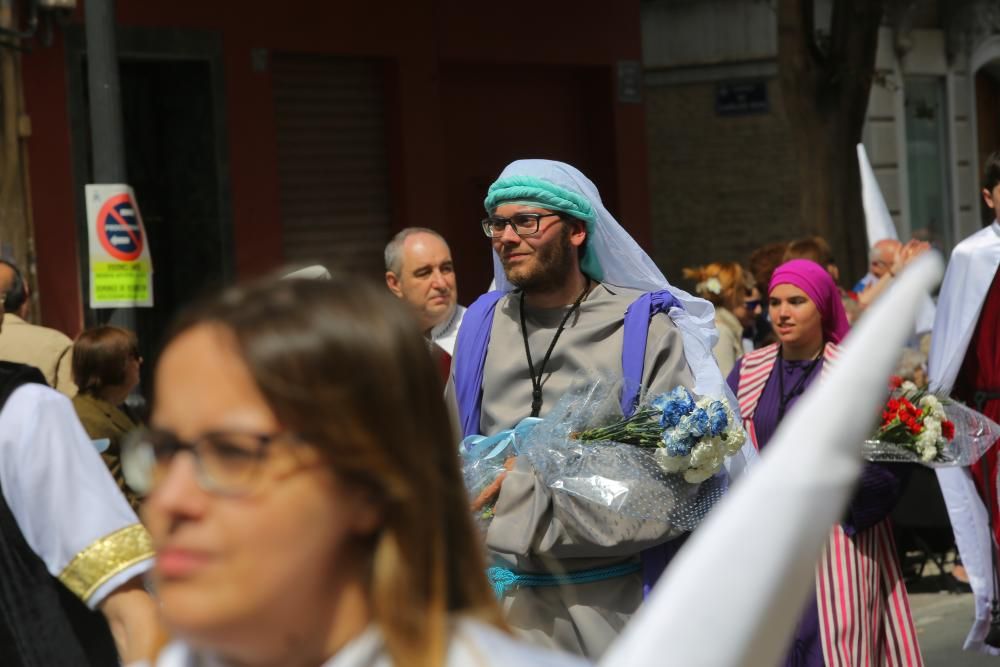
column 698, row 423
column 677, row 444
column 660, row 402
column 674, row 405
column 717, row 417
column 683, row 398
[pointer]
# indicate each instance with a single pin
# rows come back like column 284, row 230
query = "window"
column 927, row 161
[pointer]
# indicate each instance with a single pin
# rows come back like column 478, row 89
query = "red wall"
column 436, row 139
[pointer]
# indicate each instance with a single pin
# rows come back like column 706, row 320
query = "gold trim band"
column 105, row 558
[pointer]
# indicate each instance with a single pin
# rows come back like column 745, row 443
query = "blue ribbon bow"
column 487, row 447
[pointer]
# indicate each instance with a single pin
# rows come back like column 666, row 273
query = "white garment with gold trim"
column 64, row 500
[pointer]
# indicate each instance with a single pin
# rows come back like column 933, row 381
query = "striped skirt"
column 864, row 612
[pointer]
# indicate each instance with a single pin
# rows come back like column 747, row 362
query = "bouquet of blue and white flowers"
column 662, row 463
column 688, row 436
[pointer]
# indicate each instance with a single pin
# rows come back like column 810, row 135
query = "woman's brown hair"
column 725, row 284
column 342, row 364
column 100, row 358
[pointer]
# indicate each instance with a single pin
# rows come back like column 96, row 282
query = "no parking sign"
column 121, row 271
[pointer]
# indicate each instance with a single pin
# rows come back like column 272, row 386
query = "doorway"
column 176, row 163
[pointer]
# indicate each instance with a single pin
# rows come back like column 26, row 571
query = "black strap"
column 784, row 400
column 536, row 380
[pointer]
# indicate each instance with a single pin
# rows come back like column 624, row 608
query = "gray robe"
column 537, row 530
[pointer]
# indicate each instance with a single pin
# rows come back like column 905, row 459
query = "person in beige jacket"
column 728, row 286
column 48, row 350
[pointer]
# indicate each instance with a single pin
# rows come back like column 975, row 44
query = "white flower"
column 929, row 440
column 908, row 388
column 712, row 285
column 735, row 437
column 671, row 463
column 703, row 453
column 932, row 405
column 697, row 475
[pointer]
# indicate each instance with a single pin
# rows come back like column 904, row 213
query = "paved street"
column 942, row 621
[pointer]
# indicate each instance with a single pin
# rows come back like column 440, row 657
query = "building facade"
column 261, row 134
column 721, row 152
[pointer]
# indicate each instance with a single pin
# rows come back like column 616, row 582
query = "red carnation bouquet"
column 919, row 426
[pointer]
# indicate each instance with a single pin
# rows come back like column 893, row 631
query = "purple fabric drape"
column 470, row 359
column 636, row 328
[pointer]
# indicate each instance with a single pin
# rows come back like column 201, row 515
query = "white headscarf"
column 625, row 264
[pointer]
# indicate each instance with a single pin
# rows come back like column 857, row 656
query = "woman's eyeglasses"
column 523, row 224
column 226, row 462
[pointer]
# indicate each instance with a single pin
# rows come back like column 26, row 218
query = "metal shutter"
column 332, row 165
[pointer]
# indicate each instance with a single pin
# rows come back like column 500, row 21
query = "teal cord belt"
column 503, row 579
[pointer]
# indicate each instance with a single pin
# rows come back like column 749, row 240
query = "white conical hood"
column 878, row 222
column 736, row 590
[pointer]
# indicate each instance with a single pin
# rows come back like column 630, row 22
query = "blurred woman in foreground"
column 305, row 499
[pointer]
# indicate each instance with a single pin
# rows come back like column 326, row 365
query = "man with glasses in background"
column 566, row 274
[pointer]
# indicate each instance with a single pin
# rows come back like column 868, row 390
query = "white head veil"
column 620, row 259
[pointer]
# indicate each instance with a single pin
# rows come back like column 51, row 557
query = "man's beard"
column 552, row 266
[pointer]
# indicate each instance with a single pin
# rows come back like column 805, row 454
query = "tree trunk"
column 16, row 233
column 825, row 89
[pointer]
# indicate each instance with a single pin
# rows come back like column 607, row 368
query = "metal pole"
column 107, row 135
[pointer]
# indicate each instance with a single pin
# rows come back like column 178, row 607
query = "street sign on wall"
column 121, row 270
column 741, row 98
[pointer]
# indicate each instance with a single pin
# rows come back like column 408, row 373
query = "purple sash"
column 470, row 359
column 470, row 362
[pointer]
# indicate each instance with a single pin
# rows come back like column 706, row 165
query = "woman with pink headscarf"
column 861, row 614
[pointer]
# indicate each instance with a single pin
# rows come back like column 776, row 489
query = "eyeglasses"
column 226, row 463
column 523, row 224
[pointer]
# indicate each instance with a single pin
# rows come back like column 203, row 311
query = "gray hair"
column 394, row 249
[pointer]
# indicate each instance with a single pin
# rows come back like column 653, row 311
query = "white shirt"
column 65, row 502
column 473, row 644
column 445, row 334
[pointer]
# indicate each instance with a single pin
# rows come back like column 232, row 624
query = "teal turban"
column 545, row 194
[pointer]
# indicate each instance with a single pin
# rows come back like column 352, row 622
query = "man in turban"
column 576, row 298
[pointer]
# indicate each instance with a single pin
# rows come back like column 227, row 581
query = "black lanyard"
column 536, row 380
column 784, row 400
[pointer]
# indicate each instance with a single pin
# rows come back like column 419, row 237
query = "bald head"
column 883, row 256
column 419, row 270
column 12, row 285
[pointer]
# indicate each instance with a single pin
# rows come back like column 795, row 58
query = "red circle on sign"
column 110, row 210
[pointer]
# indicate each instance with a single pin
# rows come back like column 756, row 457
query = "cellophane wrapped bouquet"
column 918, row 426
column 662, row 463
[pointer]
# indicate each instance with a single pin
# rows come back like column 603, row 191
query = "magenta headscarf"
column 814, row 280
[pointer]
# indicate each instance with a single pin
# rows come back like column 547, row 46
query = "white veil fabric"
column 625, row 264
